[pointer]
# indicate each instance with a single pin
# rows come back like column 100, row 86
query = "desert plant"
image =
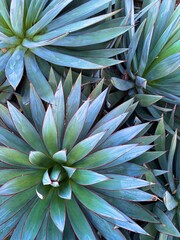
column 78, row 156
column 151, row 72
column 167, row 187
column 65, row 171
column 59, row 32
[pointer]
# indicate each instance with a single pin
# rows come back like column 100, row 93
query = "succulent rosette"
column 37, row 33
column 152, row 67
column 66, row 173
column 167, row 186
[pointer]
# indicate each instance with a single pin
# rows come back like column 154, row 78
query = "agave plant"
column 151, row 71
column 167, row 187
column 66, row 173
column 59, row 32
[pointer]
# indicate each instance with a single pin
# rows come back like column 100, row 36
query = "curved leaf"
column 81, row 227
column 86, row 177
column 11, row 140
column 65, row 190
column 105, row 228
column 75, row 126
column 20, row 183
column 73, row 100
column 91, row 38
column 167, row 226
column 103, row 157
column 123, row 136
column 117, row 182
column 40, row 159
column 66, row 60
column 37, row 78
column 26, row 129
column 57, row 212
column 164, row 68
column 14, row 157
column 49, row 13
column 96, row 204
column 15, row 67
column 84, row 147
column 15, row 203
column 31, row 227
column 60, row 156
column 8, row 174
column 58, row 108
column 37, row 109
column 93, row 112
column 17, row 16
column 49, row 132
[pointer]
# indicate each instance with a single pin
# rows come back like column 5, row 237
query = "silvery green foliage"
column 63, row 173
column 153, row 59
column 59, row 32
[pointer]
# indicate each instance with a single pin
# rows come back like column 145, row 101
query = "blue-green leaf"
column 164, row 68
column 93, row 112
column 133, row 46
column 49, row 13
column 87, row 177
column 57, row 212
column 171, row 155
column 132, row 153
column 37, row 109
column 121, row 84
column 91, row 38
column 15, row 67
column 5, row 13
column 68, row 60
column 96, row 204
column 26, row 129
column 15, row 203
column 49, row 132
column 14, row 157
column 6, row 118
column 20, row 183
column 60, row 156
column 123, row 136
column 73, row 100
column 76, row 26
column 146, row 99
column 17, row 16
column 134, row 195
column 40, row 159
column 84, row 11
column 75, row 126
column 58, row 108
column 42, row 191
column 65, row 190
column 166, row 226
column 104, row 156
column 31, row 227
column 170, row 201
column 10, row 140
column 83, row 148
column 117, row 182
column 81, row 227
column 8, row 174
column 37, row 78
column 34, row 9
column 104, row 227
